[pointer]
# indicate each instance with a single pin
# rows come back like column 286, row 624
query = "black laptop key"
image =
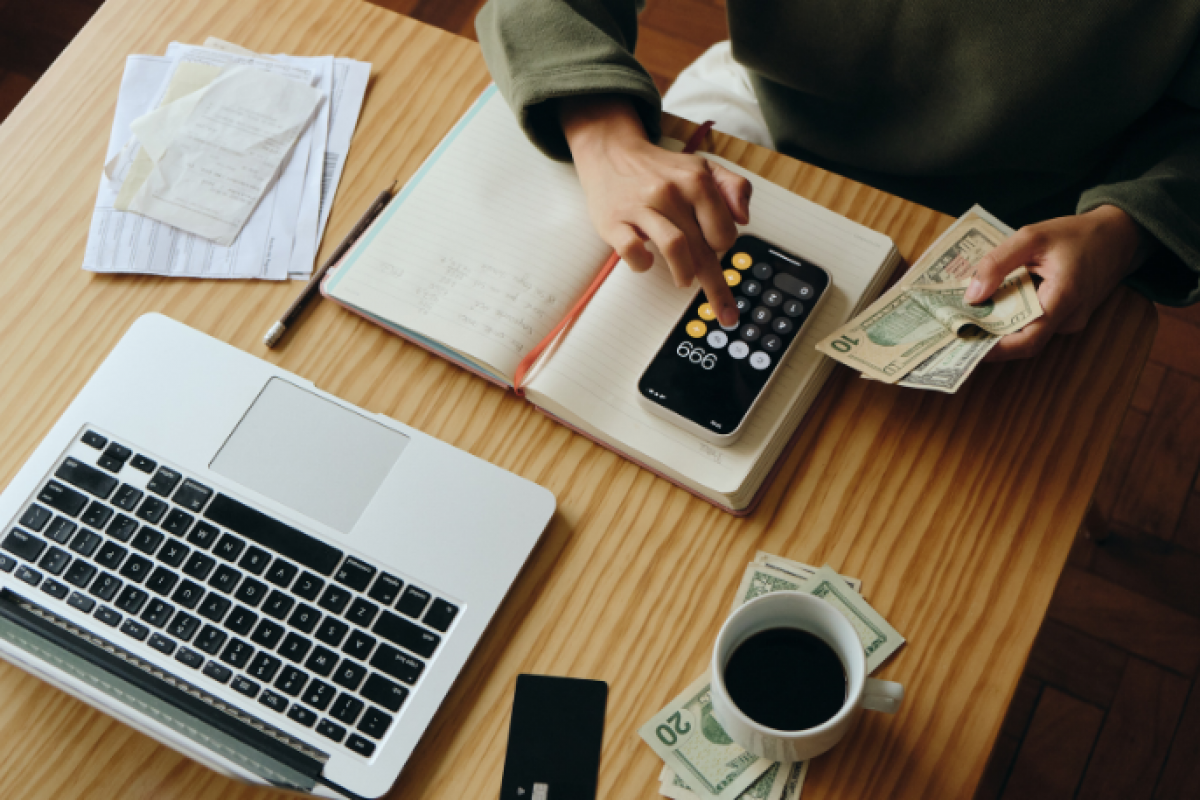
column 291, row 681
column 81, row 602
column 80, row 574
column 251, row 592
column 35, row 518
column 131, row 600
column 109, row 617
column 264, row 667
column 118, row 451
column 162, row 644
column 111, row 555
column 346, row 708
column 211, row 639
column 322, row 661
column 189, row 658
column 304, row 618
column 241, row 620
column 110, row 463
column 199, row 565
column 278, row 605
column 334, row 599
column 158, row 612
column 255, row 560
column 203, row 535
column 318, row 695
column 362, row 612
column 243, row 685
column 177, row 522
column 267, row 634
column 127, row 497
column 86, row 477
column 23, row 545
column 273, row 534
column 136, row 568
column 332, row 630
column 349, row 674
column 7, row 563
column 398, row 664
column 229, row 548
column 30, row 576
column 85, row 542
column 225, row 579
column 93, row 439
column 237, row 653
column 218, row 672
column 282, row 573
column 375, row 723
column 183, row 626
column 122, row 527
column 361, row 746
column 192, row 495
column 386, row 589
column 331, row 730
column 55, row 589
column 55, row 561
column 214, row 607
column 147, row 540
column 164, row 481
column 60, row 530
column 162, row 581
column 355, row 573
column 62, row 498
column 295, row 647
column 173, row 553
column 302, row 715
column 359, row 645
column 135, row 630
column 152, row 510
column 308, row 586
column 379, row 689
column 97, row 515
column 188, row 594
column 105, row 586
column 413, row 602
column 404, row 633
column 275, row 702
column 143, row 464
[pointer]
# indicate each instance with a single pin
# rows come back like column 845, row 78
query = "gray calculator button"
column 751, row 332
column 732, row 327
column 782, row 325
column 762, row 271
column 717, row 339
column 760, row 360
column 793, row 308
column 762, row 315
column 794, row 286
column 739, row 349
column 743, row 305
column 772, row 297
column 772, row 344
column 752, row 288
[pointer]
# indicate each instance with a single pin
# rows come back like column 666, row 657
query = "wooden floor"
column 1109, row 704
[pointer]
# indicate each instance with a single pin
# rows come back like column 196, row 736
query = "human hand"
column 1080, row 260
column 638, row 192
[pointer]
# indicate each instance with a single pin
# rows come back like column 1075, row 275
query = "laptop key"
column 183, row 626
column 291, row 681
column 251, row 592
column 225, row 579
column 192, row 495
column 177, row 522
column 332, row 631
column 137, row 568
column 346, row 709
column 274, row 535
column 162, row 581
column 135, row 630
column 413, row 602
column 81, row 602
column 273, row 701
column 304, row 618
column 278, row 605
column 359, row 645
column 60, row 530
column 322, row 661
column 164, row 481
column 281, row 573
column 80, row 573
column 229, row 548
column 118, row 452
column 406, row 634
column 349, row 674
column 308, row 586
column 331, row 730
column 147, row 540
column 93, row 439
column 55, row 561
column 217, row 672
column 63, row 499
column 355, row 573
column 375, row 723
column 152, row 510
column 7, row 563
column 30, row 576
column 241, row 620
column 334, row 599
column 361, row 746
column 300, row 714
column 111, row 555
column 131, row 600
column 243, row 685
column 386, row 589
column 127, row 497
column 162, row 644
column 35, row 518
column 237, row 653
column 158, row 613
column 122, row 527
column 143, row 464
column 211, row 639
column 203, row 535
column 255, row 560
column 189, row 658
column 55, row 589
column 399, row 665
column 85, row 542
column 295, row 647
column 199, row 565
column 97, row 515
column 264, row 667
column 379, row 689
column 173, row 553
column 188, row 594
column 86, row 477
column 110, row 463
column 318, row 695
column 267, row 634
column 362, row 612
column 23, row 545
column 108, row 616
column 105, row 586
column 214, row 607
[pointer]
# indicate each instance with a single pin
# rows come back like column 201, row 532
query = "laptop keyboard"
column 326, row 639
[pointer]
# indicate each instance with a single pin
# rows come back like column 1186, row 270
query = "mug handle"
column 883, row 696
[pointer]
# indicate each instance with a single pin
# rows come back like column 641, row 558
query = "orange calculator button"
column 696, row 329
column 742, row 260
column 706, row 312
column 733, row 277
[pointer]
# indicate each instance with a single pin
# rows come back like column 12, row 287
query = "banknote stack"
column 921, row 333
column 701, row 761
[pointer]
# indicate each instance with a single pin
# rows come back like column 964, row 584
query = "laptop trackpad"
column 312, row 455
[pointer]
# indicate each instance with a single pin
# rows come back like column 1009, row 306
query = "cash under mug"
column 804, row 612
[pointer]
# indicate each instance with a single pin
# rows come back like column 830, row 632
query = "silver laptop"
column 255, row 573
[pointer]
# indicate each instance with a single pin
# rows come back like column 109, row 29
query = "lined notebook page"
column 592, row 378
column 484, row 250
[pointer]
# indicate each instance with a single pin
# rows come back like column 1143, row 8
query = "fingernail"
column 974, row 291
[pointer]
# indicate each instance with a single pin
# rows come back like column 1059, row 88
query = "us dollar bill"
column 797, row 568
column 948, row 369
column 687, row 737
column 878, row 637
column 770, row 785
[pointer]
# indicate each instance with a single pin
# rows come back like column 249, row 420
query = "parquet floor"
column 1109, row 704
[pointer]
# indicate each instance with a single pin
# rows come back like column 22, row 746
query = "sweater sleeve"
column 541, row 50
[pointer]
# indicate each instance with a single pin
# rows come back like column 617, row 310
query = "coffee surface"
column 786, row 679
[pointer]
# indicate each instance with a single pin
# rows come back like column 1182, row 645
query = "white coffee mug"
column 807, row 613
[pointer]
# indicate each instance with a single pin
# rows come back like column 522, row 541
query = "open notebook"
column 489, row 245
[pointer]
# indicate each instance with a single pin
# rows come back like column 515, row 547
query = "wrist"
column 593, row 124
column 1130, row 242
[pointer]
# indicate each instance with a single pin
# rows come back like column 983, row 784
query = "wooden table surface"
column 957, row 512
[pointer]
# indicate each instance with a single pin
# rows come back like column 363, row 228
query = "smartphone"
column 707, row 378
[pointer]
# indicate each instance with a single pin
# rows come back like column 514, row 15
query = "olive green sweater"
column 1032, row 108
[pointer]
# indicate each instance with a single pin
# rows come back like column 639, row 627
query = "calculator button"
column 762, row 315
column 732, row 327
column 751, row 332
column 733, row 277
column 760, row 360
column 772, row 344
column 762, row 271
column 739, row 350
column 718, row 339
column 793, row 308
column 752, row 289
column 772, row 297
column 742, row 260
column 743, row 305
column 706, row 312
column 782, row 325
column 696, row 329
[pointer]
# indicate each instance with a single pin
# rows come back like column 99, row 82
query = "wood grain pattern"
column 957, row 512
column 1055, row 751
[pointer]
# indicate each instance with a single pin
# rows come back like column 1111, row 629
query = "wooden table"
column 956, row 512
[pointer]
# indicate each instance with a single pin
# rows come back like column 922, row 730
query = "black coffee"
column 786, row 679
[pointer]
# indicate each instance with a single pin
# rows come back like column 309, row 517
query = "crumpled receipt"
column 216, row 151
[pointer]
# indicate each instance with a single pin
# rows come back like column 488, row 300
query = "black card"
column 554, row 739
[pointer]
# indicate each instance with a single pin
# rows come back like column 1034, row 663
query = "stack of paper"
column 176, row 200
